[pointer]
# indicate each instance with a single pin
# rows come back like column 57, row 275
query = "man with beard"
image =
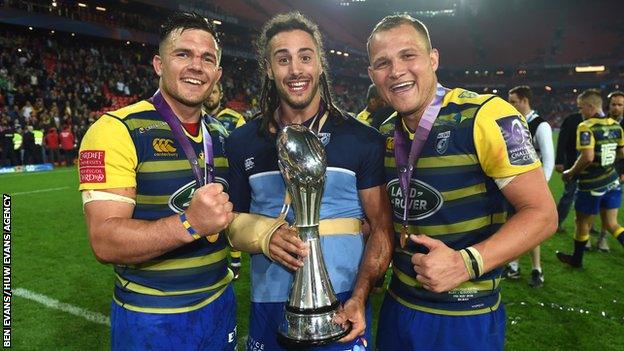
column 230, row 119
column 152, row 208
column 453, row 159
column 296, row 90
column 615, row 100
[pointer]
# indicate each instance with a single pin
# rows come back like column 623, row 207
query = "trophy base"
column 309, row 329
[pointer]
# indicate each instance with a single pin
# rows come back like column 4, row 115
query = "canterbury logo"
column 163, row 145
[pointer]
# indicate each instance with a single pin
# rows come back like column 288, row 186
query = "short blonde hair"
column 592, row 97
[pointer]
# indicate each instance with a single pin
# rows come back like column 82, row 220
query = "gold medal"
column 403, row 236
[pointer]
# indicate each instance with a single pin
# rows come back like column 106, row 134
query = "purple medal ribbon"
column 407, row 162
column 163, row 108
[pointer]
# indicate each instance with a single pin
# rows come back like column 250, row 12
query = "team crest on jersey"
column 181, row 198
column 518, row 142
column 424, row 200
column 324, row 138
column 442, row 142
column 390, row 144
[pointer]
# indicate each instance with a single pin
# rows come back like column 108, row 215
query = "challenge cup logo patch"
column 517, row 138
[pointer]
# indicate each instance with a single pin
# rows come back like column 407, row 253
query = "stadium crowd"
column 54, row 81
column 58, row 81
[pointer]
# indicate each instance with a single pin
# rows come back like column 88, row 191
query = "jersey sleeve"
column 584, row 137
column 240, row 191
column 503, row 141
column 371, row 171
column 108, row 157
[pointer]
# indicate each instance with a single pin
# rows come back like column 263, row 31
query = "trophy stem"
column 312, row 303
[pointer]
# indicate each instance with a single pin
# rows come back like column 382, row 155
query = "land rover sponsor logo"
column 181, row 199
column 425, row 200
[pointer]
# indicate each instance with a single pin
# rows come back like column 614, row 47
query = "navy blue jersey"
column 355, row 161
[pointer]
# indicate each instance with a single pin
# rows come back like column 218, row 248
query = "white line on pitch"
column 65, row 307
column 39, row 191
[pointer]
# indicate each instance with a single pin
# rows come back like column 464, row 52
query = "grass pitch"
column 575, row 310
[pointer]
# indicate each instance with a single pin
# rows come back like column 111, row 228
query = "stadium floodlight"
column 51, row 32
column 53, row 3
column 495, row 91
column 30, row 28
column 100, row 8
column 547, row 88
column 586, row 69
column 216, row 22
column 81, row 4
column 339, row 52
column 346, row 54
column 332, row 51
column 73, row 34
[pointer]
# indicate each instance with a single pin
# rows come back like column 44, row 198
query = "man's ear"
column 157, row 64
column 269, row 70
column 434, row 55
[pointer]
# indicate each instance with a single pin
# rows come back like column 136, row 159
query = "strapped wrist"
column 473, row 261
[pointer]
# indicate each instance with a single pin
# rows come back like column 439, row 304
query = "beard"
column 186, row 101
column 211, row 105
column 297, row 105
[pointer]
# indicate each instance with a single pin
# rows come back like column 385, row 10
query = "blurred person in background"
column 51, row 143
column 67, row 140
column 600, row 142
column 541, row 135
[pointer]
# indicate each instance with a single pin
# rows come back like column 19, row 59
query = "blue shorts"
column 212, row 327
column 590, row 202
column 265, row 319
column 403, row 328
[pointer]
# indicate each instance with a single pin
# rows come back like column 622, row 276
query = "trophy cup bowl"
column 312, row 303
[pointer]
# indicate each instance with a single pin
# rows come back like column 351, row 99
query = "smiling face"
column 188, row 66
column 403, row 69
column 294, row 65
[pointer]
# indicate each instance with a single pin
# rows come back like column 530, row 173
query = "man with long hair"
column 296, row 90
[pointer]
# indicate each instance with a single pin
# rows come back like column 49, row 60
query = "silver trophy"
column 312, row 302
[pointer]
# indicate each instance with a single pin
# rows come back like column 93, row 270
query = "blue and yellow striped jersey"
column 137, row 149
column 230, row 119
column 453, row 196
column 605, row 136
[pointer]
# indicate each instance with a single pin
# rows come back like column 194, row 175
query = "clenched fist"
column 210, row 210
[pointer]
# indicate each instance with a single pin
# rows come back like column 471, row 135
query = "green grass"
column 51, row 256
